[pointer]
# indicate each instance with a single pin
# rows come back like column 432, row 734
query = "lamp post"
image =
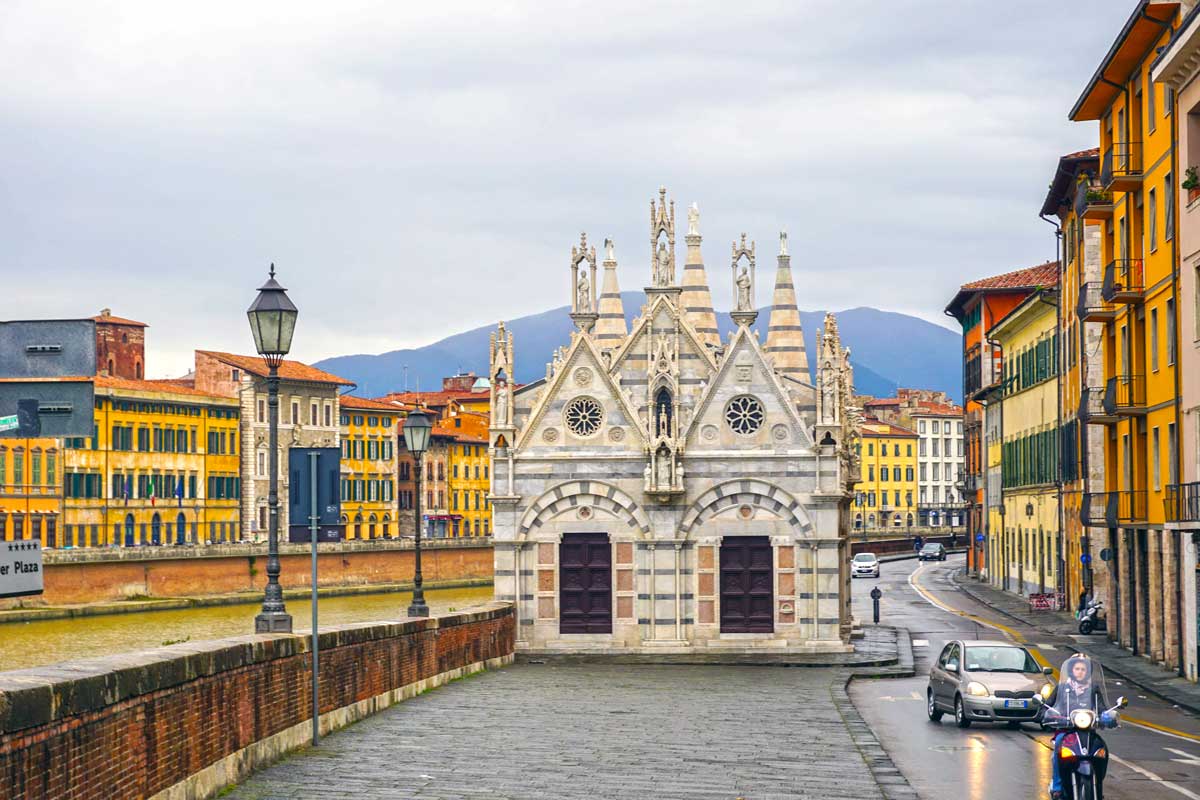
column 272, row 321
column 417, row 427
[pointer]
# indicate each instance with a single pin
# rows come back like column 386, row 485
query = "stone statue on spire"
column 783, row 251
column 694, row 220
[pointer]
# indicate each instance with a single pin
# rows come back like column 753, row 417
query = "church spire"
column 696, row 299
column 610, row 328
column 785, row 336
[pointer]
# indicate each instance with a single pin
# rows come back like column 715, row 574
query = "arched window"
column 111, row 367
column 358, row 520
column 137, row 369
column 662, row 412
column 870, row 520
column 371, row 526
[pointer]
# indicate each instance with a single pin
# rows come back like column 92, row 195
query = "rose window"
column 584, row 416
column 744, row 414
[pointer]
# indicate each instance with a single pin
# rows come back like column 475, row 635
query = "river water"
column 30, row 644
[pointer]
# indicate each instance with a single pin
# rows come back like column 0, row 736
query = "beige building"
column 1179, row 69
column 309, row 416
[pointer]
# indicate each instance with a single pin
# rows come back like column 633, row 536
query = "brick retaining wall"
column 92, row 576
column 188, row 720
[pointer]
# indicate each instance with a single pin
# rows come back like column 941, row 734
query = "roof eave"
column 1083, row 110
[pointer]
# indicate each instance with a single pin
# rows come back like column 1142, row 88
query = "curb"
column 1185, row 703
column 888, row 777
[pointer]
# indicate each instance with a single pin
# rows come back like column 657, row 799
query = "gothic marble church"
column 662, row 490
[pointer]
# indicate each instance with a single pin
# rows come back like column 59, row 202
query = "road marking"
column 1018, row 638
column 1148, row 774
column 1188, row 758
column 1044, row 646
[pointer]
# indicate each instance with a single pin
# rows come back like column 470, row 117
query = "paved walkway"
column 603, row 731
column 1134, row 669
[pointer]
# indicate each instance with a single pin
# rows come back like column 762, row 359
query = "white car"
column 864, row 565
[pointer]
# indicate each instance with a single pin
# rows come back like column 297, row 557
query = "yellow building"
column 369, row 467
column 162, row 468
column 1138, row 407
column 1027, row 551
column 886, row 497
column 468, row 484
column 30, row 490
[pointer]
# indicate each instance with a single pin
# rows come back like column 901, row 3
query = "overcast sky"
column 418, row 168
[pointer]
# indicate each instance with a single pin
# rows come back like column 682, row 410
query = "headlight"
column 1083, row 719
column 977, row 689
column 1047, row 690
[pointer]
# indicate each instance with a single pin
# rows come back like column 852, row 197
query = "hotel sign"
column 20, row 568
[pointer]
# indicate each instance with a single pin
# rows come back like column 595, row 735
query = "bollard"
column 875, row 595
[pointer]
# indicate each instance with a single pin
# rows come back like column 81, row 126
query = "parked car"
column 985, row 681
column 864, row 564
column 932, row 552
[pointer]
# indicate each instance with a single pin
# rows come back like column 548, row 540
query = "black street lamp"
column 272, row 321
column 417, row 428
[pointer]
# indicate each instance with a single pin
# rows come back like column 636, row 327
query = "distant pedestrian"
column 1083, row 602
column 953, row 539
column 917, row 542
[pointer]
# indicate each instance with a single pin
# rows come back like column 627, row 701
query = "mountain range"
column 888, row 349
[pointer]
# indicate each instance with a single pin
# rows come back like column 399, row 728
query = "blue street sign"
column 979, row 537
column 1086, row 558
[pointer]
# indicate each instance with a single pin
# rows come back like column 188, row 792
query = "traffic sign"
column 8, row 423
column 20, row 568
column 1086, row 558
column 979, row 537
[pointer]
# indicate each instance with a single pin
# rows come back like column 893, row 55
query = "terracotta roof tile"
column 1030, row 278
column 1093, row 152
column 288, row 370
column 936, row 410
column 165, row 386
column 877, row 428
column 351, row 401
column 111, row 320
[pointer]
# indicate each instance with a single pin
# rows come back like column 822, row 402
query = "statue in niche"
column 583, row 294
column 646, row 477
column 745, row 291
column 662, row 271
column 501, row 403
column 664, row 468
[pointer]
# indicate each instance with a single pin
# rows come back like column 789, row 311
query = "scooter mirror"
column 1047, row 670
column 1036, row 699
column 1122, row 702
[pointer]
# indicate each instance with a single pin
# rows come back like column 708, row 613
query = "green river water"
column 30, row 644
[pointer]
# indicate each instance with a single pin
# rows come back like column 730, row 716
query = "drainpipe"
column 1000, row 406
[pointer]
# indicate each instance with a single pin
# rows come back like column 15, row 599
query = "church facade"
column 663, row 490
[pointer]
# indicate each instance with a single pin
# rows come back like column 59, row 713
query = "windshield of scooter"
column 1080, row 686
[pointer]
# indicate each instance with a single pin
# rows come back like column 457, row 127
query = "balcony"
column 1124, row 281
column 1182, row 503
column 1092, row 410
column 1113, row 509
column 1092, row 306
column 1121, row 169
column 1093, row 203
column 1125, row 395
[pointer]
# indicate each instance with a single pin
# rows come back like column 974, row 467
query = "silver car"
column 985, row 681
column 865, row 565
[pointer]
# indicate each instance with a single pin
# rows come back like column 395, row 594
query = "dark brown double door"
column 585, row 583
column 747, row 579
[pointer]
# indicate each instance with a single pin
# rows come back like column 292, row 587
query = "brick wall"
column 200, row 716
column 89, row 576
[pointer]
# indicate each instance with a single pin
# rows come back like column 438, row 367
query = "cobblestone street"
column 599, row 731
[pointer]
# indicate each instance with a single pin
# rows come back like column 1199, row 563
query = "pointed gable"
column 583, row 377
column 747, row 388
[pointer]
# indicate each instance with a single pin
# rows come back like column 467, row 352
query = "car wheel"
column 931, row 708
column 960, row 713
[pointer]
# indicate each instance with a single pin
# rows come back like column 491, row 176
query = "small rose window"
column 584, row 416
column 744, row 414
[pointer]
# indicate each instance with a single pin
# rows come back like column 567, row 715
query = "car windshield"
column 999, row 658
column 864, row 557
column 932, row 548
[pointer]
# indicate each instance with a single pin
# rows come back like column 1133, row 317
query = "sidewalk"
column 1136, row 670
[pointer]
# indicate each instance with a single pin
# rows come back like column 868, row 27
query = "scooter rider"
column 1080, row 686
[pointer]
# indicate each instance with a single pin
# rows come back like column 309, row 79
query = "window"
column 328, row 415
column 1170, row 331
column 934, row 468
column 744, row 415
column 870, row 448
column 1152, row 221
column 921, row 447
column 1168, row 208
column 262, row 463
column 908, row 473
column 922, row 473
column 946, row 427
column 295, row 413
column 262, row 410
column 1150, row 105
column 935, row 447
column 1154, row 339
column 1172, row 455
column 909, row 448
column 870, row 472
column 1156, row 454
column 921, row 426
column 312, row 415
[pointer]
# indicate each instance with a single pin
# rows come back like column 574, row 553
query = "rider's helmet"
column 1080, row 687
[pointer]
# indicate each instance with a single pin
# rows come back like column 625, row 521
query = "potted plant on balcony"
column 1097, row 197
column 1191, row 182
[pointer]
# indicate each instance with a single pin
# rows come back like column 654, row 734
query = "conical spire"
column 696, row 299
column 785, row 336
column 610, row 327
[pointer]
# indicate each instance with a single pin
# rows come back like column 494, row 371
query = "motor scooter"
column 1082, row 752
column 1092, row 618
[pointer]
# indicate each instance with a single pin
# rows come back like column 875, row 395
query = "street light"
column 272, row 321
column 417, row 427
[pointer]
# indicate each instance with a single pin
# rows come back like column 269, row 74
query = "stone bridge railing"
column 186, row 721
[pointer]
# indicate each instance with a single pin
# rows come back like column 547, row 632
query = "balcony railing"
column 1125, row 395
column 1092, row 410
column 1113, row 509
column 1124, row 281
column 1093, row 203
column 1121, row 168
column 1182, row 503
column 1092, row 306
